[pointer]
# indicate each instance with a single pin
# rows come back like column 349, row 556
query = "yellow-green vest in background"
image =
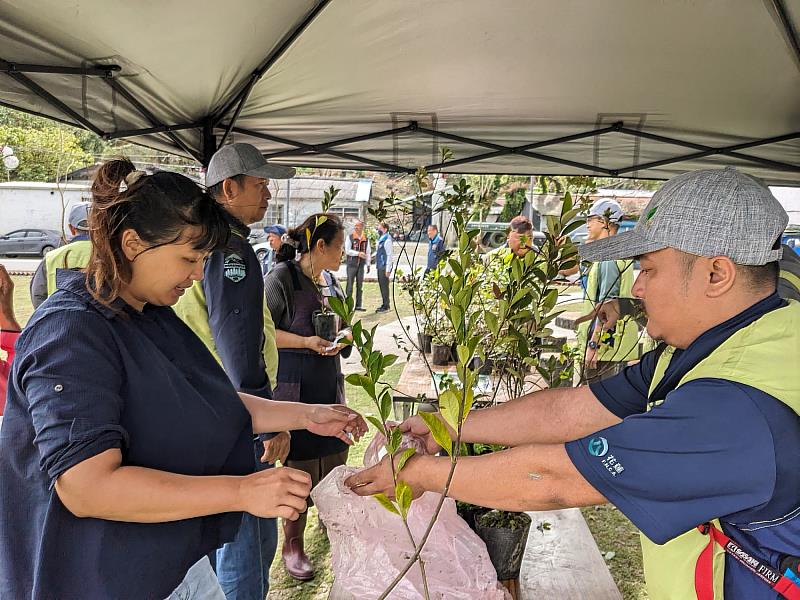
column 74, row 255
column 626, row 344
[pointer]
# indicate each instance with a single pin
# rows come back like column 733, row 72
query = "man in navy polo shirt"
column 227, row 311
column 697, row 444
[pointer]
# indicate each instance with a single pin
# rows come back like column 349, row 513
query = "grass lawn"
column 398, row 300
column 22, row 298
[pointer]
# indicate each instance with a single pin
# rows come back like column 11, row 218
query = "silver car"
column 30, row 241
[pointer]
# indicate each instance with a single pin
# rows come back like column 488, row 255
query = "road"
column 22, row 266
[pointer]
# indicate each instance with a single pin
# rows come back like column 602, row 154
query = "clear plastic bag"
column 370, row 545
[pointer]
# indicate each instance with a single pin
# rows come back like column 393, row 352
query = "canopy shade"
column 571, row 87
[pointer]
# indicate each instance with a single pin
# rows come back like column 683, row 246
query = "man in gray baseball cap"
column 697, row 443
column 228, row 312
column 243, row 159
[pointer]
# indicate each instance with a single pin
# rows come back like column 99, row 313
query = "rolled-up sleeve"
column 68, row 370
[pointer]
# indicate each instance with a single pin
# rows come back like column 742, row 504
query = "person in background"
column 126, row 455
column 606, row 351
column 74, row 255
column 358, row 255
column 436, row 249
column 309, row 368
column 227, row 310
column 384, row 263
column 274, row 235
column 9, row 332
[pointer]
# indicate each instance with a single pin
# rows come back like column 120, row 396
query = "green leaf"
column 403, row 495
column 491, row 322
column 386, row 503
column 377, row 423
column 449, row 405
column 386, row 404
column 438, row 431
column 403, row 459
column 354, row 379
column 389, row 360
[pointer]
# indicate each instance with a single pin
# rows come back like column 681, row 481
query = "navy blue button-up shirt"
column 87, row 379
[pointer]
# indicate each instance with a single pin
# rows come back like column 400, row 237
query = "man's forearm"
column 548, row 417
column 534, row 477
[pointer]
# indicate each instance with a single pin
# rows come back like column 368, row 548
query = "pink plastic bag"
column 376, row 450
column 369, row 546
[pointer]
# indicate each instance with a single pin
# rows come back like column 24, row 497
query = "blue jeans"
column 242, row 566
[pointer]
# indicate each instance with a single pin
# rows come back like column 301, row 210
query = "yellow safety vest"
column 756, row 356
column 192, row 310
column 626, row 344
column 74, row 255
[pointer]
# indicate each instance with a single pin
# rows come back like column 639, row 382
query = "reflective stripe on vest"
column 703, row 574
column 74, row 255
column 755, row 356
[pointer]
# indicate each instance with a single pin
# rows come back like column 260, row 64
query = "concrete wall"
column 37, row 205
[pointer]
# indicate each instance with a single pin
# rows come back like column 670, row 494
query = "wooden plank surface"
column 564, row 562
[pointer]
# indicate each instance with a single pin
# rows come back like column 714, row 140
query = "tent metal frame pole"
column 504, row 150
column 209, row 142
column 519, row 149
column 309, row 149
column 788, row 27
column 242, row 96
column 319, row 148
column 97, row 71
column 160, row 129
column 53, row 101
column 118, row 87
column 710, row 151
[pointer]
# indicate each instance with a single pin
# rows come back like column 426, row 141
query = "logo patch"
column 235, row 268
column 598, row 446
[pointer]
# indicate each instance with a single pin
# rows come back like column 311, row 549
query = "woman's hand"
column 322, row 346
column 275, row 493
column 277, row 448
column 335, row 420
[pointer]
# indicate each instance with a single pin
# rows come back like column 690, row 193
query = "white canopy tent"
column 639, row 88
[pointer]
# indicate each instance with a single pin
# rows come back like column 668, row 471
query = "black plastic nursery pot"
column 424, row 341
column 506, row 547
column 324, row 325
column 440, row 354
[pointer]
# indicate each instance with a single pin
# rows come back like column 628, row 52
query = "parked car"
column 30, row 241
column 791, row 237
column 579, row 235
column 261, row 250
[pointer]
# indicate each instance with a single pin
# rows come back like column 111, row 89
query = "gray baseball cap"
column 719, row 212
column 243, row 159
column 79, row 216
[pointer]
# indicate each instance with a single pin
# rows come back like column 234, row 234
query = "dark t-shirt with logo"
column 712, row 449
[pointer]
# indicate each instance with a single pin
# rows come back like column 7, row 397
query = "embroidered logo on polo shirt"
column 235, row 268
column 598, row 446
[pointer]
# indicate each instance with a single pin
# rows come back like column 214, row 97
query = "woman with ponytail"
column 309, row 367
column 125, row 453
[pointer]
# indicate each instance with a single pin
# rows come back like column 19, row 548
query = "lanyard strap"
column 704, row 570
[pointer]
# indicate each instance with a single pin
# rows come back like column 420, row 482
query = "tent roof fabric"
column 604, row 87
